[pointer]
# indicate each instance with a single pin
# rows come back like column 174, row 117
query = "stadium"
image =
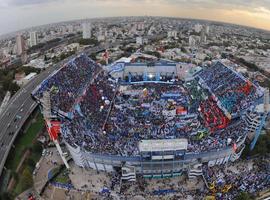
column 149, row 116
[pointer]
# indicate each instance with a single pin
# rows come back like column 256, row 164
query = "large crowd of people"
column 68, row 83
column 150, row 111
column 227, row 181
column 233, row 91
column 86, row 127
column 111, row 118
column 214, row 118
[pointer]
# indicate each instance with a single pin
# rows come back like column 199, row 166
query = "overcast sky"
column 18, row 14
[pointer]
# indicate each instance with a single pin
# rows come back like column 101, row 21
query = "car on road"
column 17, row 117
column 65, row 154
column 43, row 152
column 11, row 133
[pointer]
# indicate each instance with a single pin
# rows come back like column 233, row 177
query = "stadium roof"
column 163, row 145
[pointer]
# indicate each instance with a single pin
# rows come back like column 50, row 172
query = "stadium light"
column 150, row 75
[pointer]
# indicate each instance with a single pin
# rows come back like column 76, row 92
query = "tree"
column 223, row 55
column 102, row 62
column 37, row 147
column 262, row 147
column 27, row 70
column 90, row 41
column 6, row 196
column 183, row 50
column 27, row 179
column 93, row 56
column 8, row 85
column 15, row 175
column 244, row 196
column 153, row 53
column 31, row 163
column 130, row 49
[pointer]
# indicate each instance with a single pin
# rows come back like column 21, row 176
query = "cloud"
column 14, row 3
column 202, row 4
column 27, row 13
column 218, row 4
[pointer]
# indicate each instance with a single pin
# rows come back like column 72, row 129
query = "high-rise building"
column 70, row 28
column 207, row 29
column 140, row 26
column 172, row 34
column 203, row 37
column 86, row 28
column 193, row 40
column 20, row 44
column 139, row 40
column 33, row 38
column 198, row 28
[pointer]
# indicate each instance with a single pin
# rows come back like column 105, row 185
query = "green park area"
column 24, row 142
column 25, row 146
column 62, row 177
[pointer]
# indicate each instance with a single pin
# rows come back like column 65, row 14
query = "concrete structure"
column 155, row 157
column 172, row 34
column 193, row 40
column 206, row 29
column 198, row 28
column 33, row 38
column 70, row 28
column 26, row 79
column 101, row 37
column 20, row 44
column 86, row 29
column 139, row 40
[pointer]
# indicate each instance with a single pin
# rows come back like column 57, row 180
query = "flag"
column 234, row 147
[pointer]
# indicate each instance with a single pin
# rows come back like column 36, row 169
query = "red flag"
column 234, row 147
column 53, row 128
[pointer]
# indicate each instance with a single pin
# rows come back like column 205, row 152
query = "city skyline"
column 24, row 14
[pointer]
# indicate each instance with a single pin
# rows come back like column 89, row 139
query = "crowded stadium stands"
column 111, row 118
column 68, row 83
column 232, row 90
column 151, row 111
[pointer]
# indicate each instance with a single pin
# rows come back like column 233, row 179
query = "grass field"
column 23, row 142
column 62, row 177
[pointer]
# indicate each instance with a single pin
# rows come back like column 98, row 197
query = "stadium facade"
column 201, row 115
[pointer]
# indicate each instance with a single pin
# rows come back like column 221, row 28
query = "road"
column 21, row 105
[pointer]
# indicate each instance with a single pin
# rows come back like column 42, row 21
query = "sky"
column 19, row 14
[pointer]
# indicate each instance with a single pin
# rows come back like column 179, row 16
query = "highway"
column 21, row 105
column 13, row 117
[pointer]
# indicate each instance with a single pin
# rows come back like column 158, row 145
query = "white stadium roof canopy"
column 163, row 145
